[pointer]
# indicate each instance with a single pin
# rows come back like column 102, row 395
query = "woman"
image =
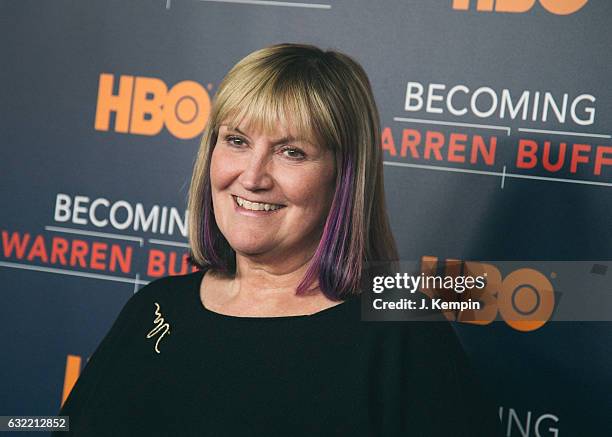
column 286, row 207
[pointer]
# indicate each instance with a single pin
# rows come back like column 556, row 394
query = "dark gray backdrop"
column 53, row 55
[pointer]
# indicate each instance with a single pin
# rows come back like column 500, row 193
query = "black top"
column 320, row 375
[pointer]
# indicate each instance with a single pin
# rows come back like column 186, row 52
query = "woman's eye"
column 234, row 141
column 293, row 153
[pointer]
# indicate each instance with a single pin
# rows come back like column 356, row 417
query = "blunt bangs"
column 270, row 100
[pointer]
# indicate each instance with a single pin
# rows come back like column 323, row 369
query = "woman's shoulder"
column 172, row 283
column 169, row 291
column 164, row 295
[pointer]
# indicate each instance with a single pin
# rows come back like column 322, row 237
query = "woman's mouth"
column 256, row 206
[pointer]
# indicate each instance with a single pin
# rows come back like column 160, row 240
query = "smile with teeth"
column 256, row 206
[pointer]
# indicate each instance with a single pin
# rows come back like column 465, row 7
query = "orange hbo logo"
column 143, row 105
column 525, row 298
column 558, row 7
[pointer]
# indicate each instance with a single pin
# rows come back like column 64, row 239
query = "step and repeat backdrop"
column 496, row 135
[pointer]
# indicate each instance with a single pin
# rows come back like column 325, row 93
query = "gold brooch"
column 160, row 326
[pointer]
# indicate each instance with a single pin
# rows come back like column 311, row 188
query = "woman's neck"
column 263, row 290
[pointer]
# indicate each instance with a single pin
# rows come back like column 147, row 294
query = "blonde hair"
column 325, row 96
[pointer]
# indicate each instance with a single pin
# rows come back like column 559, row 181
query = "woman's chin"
column 252, row 248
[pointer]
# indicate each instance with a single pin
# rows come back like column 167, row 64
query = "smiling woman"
column 270, row 196
column 286, row 211
column 296, row 127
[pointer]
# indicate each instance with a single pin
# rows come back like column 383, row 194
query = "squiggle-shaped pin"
column 160, row 325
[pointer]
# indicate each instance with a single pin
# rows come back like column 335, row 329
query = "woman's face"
column 271, row 193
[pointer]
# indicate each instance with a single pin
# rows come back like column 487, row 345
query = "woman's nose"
column 255, row 175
